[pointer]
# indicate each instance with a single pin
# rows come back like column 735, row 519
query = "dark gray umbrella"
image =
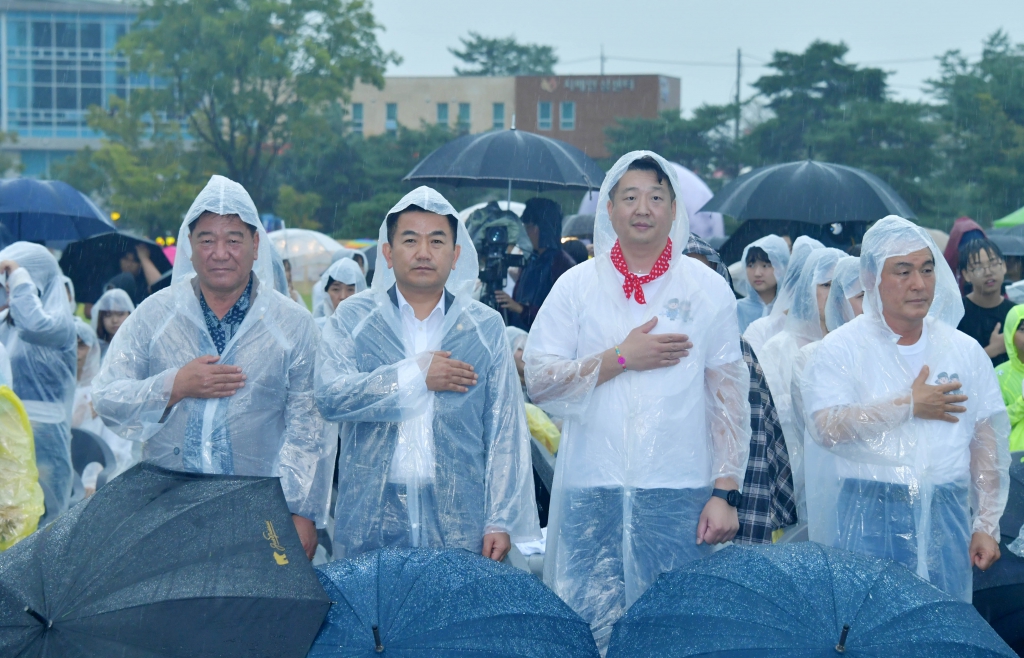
column 1009, row 241
column 49, row 211
column 809, row 191
column 579, row 226
column 161, row 563
column 91, row 263
column 513, row 158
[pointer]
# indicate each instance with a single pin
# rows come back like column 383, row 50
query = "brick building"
column 573, row 108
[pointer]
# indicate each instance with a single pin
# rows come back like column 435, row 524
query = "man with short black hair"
column 985, row 308
column 215, row 373
column 435, row 448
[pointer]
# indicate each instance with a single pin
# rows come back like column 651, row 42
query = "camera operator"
column 543, row 221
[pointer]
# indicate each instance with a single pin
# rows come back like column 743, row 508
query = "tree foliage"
column 503, row 56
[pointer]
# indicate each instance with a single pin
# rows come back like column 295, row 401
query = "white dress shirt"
column 413, row 460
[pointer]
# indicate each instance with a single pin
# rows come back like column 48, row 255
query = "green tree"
column 982, row 104
column 703, row 143
column 145, row 169
column 240, row 72
column 503, row 56
column 298, row 209
column 806, row 89
column 8, row 163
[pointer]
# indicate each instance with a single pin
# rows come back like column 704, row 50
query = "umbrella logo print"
column 271, row 536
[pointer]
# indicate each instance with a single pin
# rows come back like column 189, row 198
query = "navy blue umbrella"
column 49, row 211
column 407, row 602
column 800, row 600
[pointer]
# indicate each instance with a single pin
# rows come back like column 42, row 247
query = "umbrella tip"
column 841, row 647
column 376, row 639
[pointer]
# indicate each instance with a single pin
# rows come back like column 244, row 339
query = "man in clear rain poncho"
column 215, row 372
column 761, row 330
column 765, row 263
column 638, row 350
column 435, row 449
column 911, row 424
column 39, row 333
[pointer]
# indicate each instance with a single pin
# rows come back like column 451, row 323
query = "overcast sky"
column 902, row 36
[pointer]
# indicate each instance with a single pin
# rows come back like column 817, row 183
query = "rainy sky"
column 883, row 33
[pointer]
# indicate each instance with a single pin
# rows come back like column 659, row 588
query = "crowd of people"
column 858, row 401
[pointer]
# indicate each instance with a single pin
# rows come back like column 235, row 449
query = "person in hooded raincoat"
column 543, row 221
column 108, row 314
column 638, row 350
column 766, row 261
column 340, row 281
column 215, row 372
column 434, row 449
column 804, row 325
column 914, row 460
column 1010, row 374
column 761, row 330
column 6, row 378
column 39, row 334
column 768, row 504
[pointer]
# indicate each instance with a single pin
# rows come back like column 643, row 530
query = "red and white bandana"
column 633, row 283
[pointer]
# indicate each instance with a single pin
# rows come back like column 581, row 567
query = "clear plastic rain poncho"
column 752, row 307
column 779, row 354
column 6, row 378
column 345, row 270
column 415, row 467
column 845, row 286
column 629, row 484
column 879, row 480
column 114, row 300
column 70, row 286
column 270, row 426
column 39, row 334
column 761, row 330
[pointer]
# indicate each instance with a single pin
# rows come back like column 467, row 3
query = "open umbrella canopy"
column 1015, row 218
column 800, row 600
column 809, row 191
column 409, row 602
column 49, row 211
column 92, row 262
column 308, row 252
column 161, row 563
column 494, row 159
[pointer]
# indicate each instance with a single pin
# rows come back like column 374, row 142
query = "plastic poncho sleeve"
column 559, row 381
column 389, row 394
column 35, row 324
column 303, row 436
column 506, row 434
column 727, row 402
column 130, row 401
column 990, row 450
column 860, row 431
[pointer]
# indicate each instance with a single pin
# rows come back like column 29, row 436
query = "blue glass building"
column 57, row 59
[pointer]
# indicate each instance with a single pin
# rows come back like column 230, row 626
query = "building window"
column 391, row 117
column 357, row 118
column 442, row 114
column 544, row 116
column 464, row 117
column 567, row 116
column 498, row 117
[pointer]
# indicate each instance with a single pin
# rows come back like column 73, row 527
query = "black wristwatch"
column 730, row 496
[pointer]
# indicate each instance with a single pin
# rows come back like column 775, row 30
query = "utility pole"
column 736, row 131
column 602, row 59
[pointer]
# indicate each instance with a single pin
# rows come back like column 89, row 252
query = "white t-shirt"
column 914, row 354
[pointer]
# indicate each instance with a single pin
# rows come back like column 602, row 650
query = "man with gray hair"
column 907, row 466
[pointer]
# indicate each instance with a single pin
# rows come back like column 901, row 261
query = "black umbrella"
column 1009, row 241
column 512, row 158
column 830, row 202
column 49, row 211
column 161, row 563
column 91, row 263
column 578, row 226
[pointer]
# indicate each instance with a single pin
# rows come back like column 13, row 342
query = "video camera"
column 495, row 261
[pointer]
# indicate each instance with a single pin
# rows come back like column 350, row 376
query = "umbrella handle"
column 841, row 647
column 376, row 639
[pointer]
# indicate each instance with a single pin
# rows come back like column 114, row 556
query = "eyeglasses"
column 992, row 266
